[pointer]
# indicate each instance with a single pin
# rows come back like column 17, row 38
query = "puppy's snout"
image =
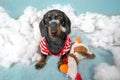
column 53, row 28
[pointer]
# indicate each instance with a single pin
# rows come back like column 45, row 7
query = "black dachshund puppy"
column 54, row 27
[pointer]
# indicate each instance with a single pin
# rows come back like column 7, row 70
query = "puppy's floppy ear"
column 67, row 24
column 43, row 28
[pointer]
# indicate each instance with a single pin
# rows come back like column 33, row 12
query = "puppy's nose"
column 53, row 32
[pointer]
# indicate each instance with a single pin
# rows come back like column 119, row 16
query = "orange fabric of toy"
column 64, row 68
column 78, row 39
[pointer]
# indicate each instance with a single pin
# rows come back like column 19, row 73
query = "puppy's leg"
column 41, row 62
column 62, row 61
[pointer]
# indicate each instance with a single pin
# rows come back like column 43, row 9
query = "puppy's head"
column 54, row 23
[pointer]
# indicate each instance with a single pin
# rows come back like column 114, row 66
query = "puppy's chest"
column 55, row 46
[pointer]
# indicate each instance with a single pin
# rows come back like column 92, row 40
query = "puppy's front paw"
column 40, row 65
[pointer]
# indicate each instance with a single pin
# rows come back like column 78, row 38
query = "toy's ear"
column 43, row 28
column 80, row 49
column 67, row 24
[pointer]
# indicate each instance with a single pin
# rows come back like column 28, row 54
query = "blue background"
column 109, row 7
column 50, row 72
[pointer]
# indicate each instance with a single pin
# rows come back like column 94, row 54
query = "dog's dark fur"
column 55, row 37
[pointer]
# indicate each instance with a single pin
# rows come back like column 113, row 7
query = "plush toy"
column 77, row 53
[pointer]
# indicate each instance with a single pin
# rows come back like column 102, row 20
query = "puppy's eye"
column 48, row 17
column 59, row 17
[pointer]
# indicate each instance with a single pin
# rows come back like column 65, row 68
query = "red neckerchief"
column 45, row 50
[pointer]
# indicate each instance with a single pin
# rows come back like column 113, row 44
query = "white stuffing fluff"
column 19, row 39
column 106, row 72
